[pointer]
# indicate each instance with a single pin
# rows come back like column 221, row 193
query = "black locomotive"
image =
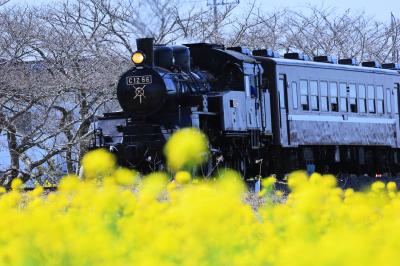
column 262, row 113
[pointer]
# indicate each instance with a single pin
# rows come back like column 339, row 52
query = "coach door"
column 396, row 98
column 396, row 102
column 283, row 110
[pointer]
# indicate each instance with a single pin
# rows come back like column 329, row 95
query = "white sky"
column 380, row 9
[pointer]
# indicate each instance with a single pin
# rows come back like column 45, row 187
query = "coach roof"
column 313, row 64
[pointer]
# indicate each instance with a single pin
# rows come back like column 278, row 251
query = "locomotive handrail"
column 204, row 113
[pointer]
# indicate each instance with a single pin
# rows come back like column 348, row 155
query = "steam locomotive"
column 262, row 113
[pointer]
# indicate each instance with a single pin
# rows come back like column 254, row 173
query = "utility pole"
column 215, row 4
column 215, row 15
column 395, row 51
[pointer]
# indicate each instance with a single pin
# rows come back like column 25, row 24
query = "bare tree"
column 75, row 49
column 196, row 25
column 74, row 44
column 21, row 96
column 3, row 2
column 323, row 31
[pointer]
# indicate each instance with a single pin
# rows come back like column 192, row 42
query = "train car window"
column 314, row 95
column 343, row 97
column 324, row 96
column 333, row 89
column 371, row 99
column 232, row 78
column 304, row 95
column 362, row 101
column 379, row 100
column 388, row 101
column 253, row 86
column 295, row 95
column 396, row 99
column 353, row 98
column 282, row 89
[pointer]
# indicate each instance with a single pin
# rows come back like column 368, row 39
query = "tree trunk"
column 69, row 159
column 14, row 157
column 84, row 127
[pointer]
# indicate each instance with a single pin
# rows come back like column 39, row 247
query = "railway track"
column 344, row 181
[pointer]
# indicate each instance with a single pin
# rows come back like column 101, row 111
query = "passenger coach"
column 334, row 114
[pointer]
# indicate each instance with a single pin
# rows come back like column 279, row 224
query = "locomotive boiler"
column 262, row 113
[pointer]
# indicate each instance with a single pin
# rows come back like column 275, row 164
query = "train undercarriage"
column 237, row 153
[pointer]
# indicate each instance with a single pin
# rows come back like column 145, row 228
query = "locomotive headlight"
column 138, row 58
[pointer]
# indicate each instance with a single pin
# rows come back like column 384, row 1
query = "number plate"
column 139, row 80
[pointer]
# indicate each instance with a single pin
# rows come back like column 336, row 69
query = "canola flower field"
column 117, row 217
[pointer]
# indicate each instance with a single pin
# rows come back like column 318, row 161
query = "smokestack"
column 146, row 45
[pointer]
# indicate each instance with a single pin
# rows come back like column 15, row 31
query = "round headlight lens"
column 137, row 58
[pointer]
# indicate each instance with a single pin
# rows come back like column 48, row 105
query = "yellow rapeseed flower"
column 125, row 177
column 378, row 186
column 268, row 182
column 16, row 183
column 171, row 186
column 215, row 222
column 279, row 193
column 262, row 193
column 186, row 148
column 183, row 177
column 297, row 180
column 329, row 181
column 69, row 183
column 391, row 186
column 152, row 186
column 315, row 178
column 37, row 191
column 348, row 192
column 98, row 163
